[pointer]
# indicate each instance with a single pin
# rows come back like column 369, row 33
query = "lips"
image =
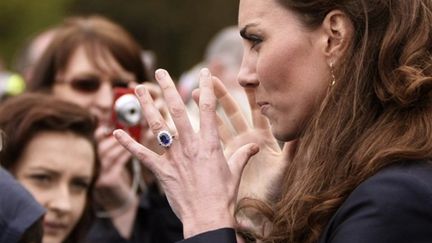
column 264, row 106
column 53, row 227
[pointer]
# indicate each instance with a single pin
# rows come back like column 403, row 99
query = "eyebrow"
column 56, row 173
column 44, row 169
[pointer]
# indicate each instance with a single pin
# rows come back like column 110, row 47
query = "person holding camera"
column 92, row 62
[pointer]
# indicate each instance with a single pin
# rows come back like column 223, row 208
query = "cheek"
column 78, row 202
column 277, row 63
column 72, row 96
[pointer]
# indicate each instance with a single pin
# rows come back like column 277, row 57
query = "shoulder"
column 394, row 205
column 412, row 179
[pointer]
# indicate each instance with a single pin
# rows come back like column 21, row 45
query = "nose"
column 61, row 200
column 104, row 97
column 247, row 76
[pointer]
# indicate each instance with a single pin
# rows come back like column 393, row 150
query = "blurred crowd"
column 69, row 88
column 310, row 122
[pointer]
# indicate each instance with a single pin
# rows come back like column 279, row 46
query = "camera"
column 126, row 112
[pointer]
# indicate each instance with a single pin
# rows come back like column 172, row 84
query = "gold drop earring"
column 333, row 81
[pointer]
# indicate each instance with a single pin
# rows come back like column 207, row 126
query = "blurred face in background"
column 90, row 82
column 57, row 169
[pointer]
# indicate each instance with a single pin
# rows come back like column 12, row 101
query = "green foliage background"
column 176, row 30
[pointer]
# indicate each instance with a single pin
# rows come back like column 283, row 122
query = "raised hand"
column 261, row 176
column 113, row 187
column 199, row 182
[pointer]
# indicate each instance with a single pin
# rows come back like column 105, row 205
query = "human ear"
column 338, row 33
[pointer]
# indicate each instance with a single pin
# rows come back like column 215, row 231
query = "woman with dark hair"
column 348, row 84
column 88, row 59
column 51, row 150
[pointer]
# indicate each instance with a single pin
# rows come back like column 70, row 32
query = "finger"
column 113, row 158
column 258, row 119
column 207, row 107
column 230, row 106
column 157, row 96
column 102, row 132
column 106, row 144
column 149, row 159
column 154, row 119
column 225, row 133
column 176, row 107
column 195, row 95
column 154, row 90
column 238, row 160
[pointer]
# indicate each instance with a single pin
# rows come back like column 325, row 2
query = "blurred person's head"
column 224, row 55
column 31, row 53
column 50, row 149
column 87, row 58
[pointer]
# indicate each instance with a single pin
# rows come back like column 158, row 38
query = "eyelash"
column 44, row 180
column 41, row 178
column 253, row 39
column 81, row 185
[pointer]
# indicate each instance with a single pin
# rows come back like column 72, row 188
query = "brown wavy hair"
column 25, row 116
column 98, row 36
column 378, row 113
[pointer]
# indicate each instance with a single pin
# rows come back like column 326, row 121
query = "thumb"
column 238, row 160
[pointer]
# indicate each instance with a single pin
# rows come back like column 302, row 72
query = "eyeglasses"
column 90, row 85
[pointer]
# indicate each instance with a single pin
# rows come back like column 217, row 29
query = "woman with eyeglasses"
column 88, row 59
column 50, row 148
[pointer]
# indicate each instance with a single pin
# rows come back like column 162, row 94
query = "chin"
column 284, row 134
column 52, row 239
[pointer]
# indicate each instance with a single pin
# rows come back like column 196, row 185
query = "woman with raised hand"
column 348, row 84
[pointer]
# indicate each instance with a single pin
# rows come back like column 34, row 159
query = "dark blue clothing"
column 155, row 222
column 18, row 209
column 393, row 206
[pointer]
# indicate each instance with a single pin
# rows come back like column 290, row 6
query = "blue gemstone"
column 165, row 139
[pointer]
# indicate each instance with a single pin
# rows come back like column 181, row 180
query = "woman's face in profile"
column 284, row 63
column 90, row 82
column 57, row 168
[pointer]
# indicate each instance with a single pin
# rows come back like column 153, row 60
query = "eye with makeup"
column 89, row 84
column 253, row 39
column 41, row 179
column 120, row 83
column 79, row 185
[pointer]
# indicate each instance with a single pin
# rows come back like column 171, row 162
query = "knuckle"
column 177, row 111
column 190, row 152
column 156, row 125
column 208, row 107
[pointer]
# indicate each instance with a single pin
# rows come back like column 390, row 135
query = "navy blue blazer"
column 393, row 206
column 18, row 209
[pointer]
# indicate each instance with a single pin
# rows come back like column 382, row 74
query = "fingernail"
column 160, row 73
column 205, row 72
column 116, row 133
column 140, row 90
